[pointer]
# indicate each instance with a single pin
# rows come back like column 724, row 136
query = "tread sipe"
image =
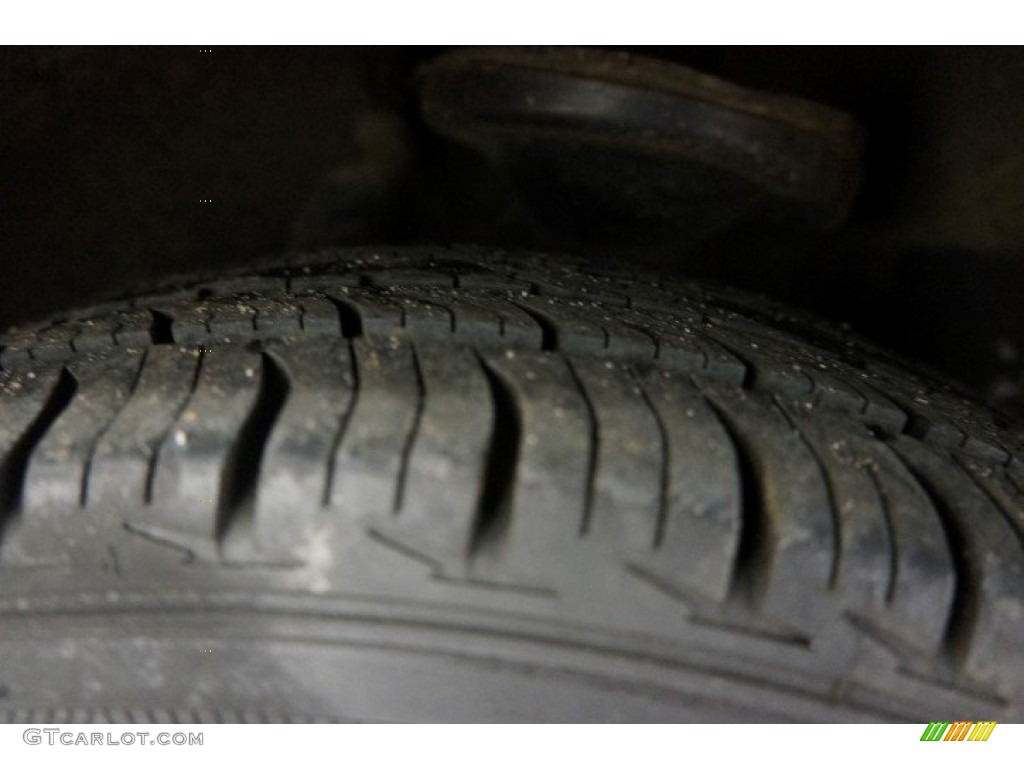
column 459, row 484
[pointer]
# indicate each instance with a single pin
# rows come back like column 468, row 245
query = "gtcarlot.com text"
column 72, row 738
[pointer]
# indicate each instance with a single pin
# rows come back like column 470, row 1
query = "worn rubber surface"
column 462, row 485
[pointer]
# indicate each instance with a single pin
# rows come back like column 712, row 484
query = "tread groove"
column 242, row 465
column 666, row 463
column 650, row 335
column 452, row 322
column 13, row 472
column 749, row 370
column 155, row 456
column 496, row 498
column 550, row 340
column 593, row 448
column 339, row 434
column 964, row 608
column 749, row 551
column 350, row 318
column 410, row 440
column 161, row 327
column 890, row 528
column 837, row 533
column 87, row 464
column 992, row 497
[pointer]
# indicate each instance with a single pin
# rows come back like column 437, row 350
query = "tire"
column 460, row 485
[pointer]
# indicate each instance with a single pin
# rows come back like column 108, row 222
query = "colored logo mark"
column 959, row 731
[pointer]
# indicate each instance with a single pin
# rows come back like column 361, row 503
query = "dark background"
column 105, row 154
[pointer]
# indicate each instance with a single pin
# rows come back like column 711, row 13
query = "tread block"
column 55, row 343
column 771, row 369
column 676, row 344
column 574, row 332
column 490, row 281
column 697, row 546
column 832, row 379
column 97, row 334
column 893, row 564
column 121, row 464
column 880, row 410
column 320, row 316
column 57, row 470
column 581, row 287
column 369, row 460
column 547, row 495
column 626, row 342
column 429, row 319
column 625, row 490
column 189, row 319
column 721, row 365
column 246, row 284
column 941, row 417
column 231, row 316
column 790, row 563
column 194, row 461
column 835, row 394
column 275, row 316
column 923, row 580
column 375, row 316
column 293, row 484
column 863, row 569
column 24, row 394
column 15, row 349
column 400, row 278
column 416, row 316
column 444, row 476
column 330, row 283
column 132, row 328
column 986, row 630
column 515, row 326
column 472, row 322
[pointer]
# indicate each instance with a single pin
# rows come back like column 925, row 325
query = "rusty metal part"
column 636, row 140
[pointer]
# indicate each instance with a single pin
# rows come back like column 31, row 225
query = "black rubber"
column 462, row 485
